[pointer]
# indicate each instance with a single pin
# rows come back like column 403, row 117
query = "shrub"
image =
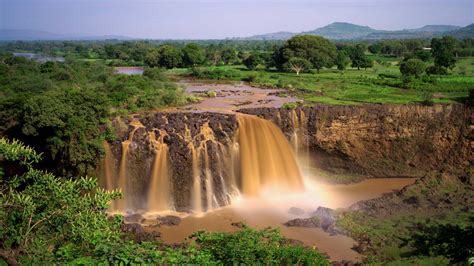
column 291, row 105
column 252, row 247
column 412, row 67
column 436, row 70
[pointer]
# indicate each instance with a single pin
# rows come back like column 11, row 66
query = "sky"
column 217, row 19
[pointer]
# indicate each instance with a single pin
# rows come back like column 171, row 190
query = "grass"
column 380, row 84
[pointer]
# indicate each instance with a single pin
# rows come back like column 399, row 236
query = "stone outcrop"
column 382, row 140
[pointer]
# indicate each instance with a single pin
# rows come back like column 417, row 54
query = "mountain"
column 398, row 34
column 436, row 28
column 462, row 33
column 32, row 35
column 281, row 35
column 348, row 31
column 342, row 31
column 8, row 34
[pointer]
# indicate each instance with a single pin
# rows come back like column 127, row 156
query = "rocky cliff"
column 201, row 153
column 382, row 140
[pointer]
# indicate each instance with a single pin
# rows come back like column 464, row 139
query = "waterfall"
column 213, row 166
column 159, row 188
column 266, row 157
column 121, row 205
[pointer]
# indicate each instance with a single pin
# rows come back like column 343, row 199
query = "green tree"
column 193, row 55
column 342, row 60
column 169, row 56
column 229, row 56
column 319, row 51
column 359, row 58
column 443, row 51
column 152, row 58
column 252, row 61
column 412, row 67
column 297, row 65
column 423, row 55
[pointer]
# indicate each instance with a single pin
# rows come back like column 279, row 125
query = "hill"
column 462, row 33
column 349, row 31
column 342, row 31
column 435, row 28
column 35, row 35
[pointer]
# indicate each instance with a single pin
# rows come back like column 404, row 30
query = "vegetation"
column 415, row 230
column 50, row 220
column 61, row 109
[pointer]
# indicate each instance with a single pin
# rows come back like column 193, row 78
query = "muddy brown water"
column 232, row 96
column 271, row 209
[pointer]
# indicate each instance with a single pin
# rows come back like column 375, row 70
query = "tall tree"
column 358, row 57
column 319, row 51
column 342, row 60
column 252, row 61
column 169, row 56
column 193, row 55
column 443, row 51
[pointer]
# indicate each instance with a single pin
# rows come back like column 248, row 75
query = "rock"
column 365, row 139
column 309, row 222
column 133, row 228
column 361, row 247
column 133, row 218
column 136, row 232
column 150, row 222
column 296, row 211
column 169, row 220
column 411, row 200
column 326, row 216
column 238, row 224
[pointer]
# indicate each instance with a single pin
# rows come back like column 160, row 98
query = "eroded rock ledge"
column 382, row 140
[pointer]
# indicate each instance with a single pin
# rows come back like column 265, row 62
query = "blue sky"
column 202, row 19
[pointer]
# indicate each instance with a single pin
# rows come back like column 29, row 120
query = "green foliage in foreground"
column 49, row 220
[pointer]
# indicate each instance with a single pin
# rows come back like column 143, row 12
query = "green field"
column 380, row 84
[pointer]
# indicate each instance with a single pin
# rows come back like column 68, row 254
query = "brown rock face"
column 371, row 140
column 179, row 131
column 382, row 140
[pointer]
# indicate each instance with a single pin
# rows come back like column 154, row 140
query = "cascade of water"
column 109, row 170
column 121, row 204
column 159, row 188
column 266, row 158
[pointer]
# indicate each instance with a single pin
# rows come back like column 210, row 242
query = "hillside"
column 435, row 28
column 349, row 31
column 342, row 31
column 463, row 33
column 37, row 35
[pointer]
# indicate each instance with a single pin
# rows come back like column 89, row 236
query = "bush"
column 436, row 70
column 291, row 105
column 252, row 247
column 412, row 67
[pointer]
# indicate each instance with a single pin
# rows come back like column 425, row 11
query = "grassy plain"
column 380, row 84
